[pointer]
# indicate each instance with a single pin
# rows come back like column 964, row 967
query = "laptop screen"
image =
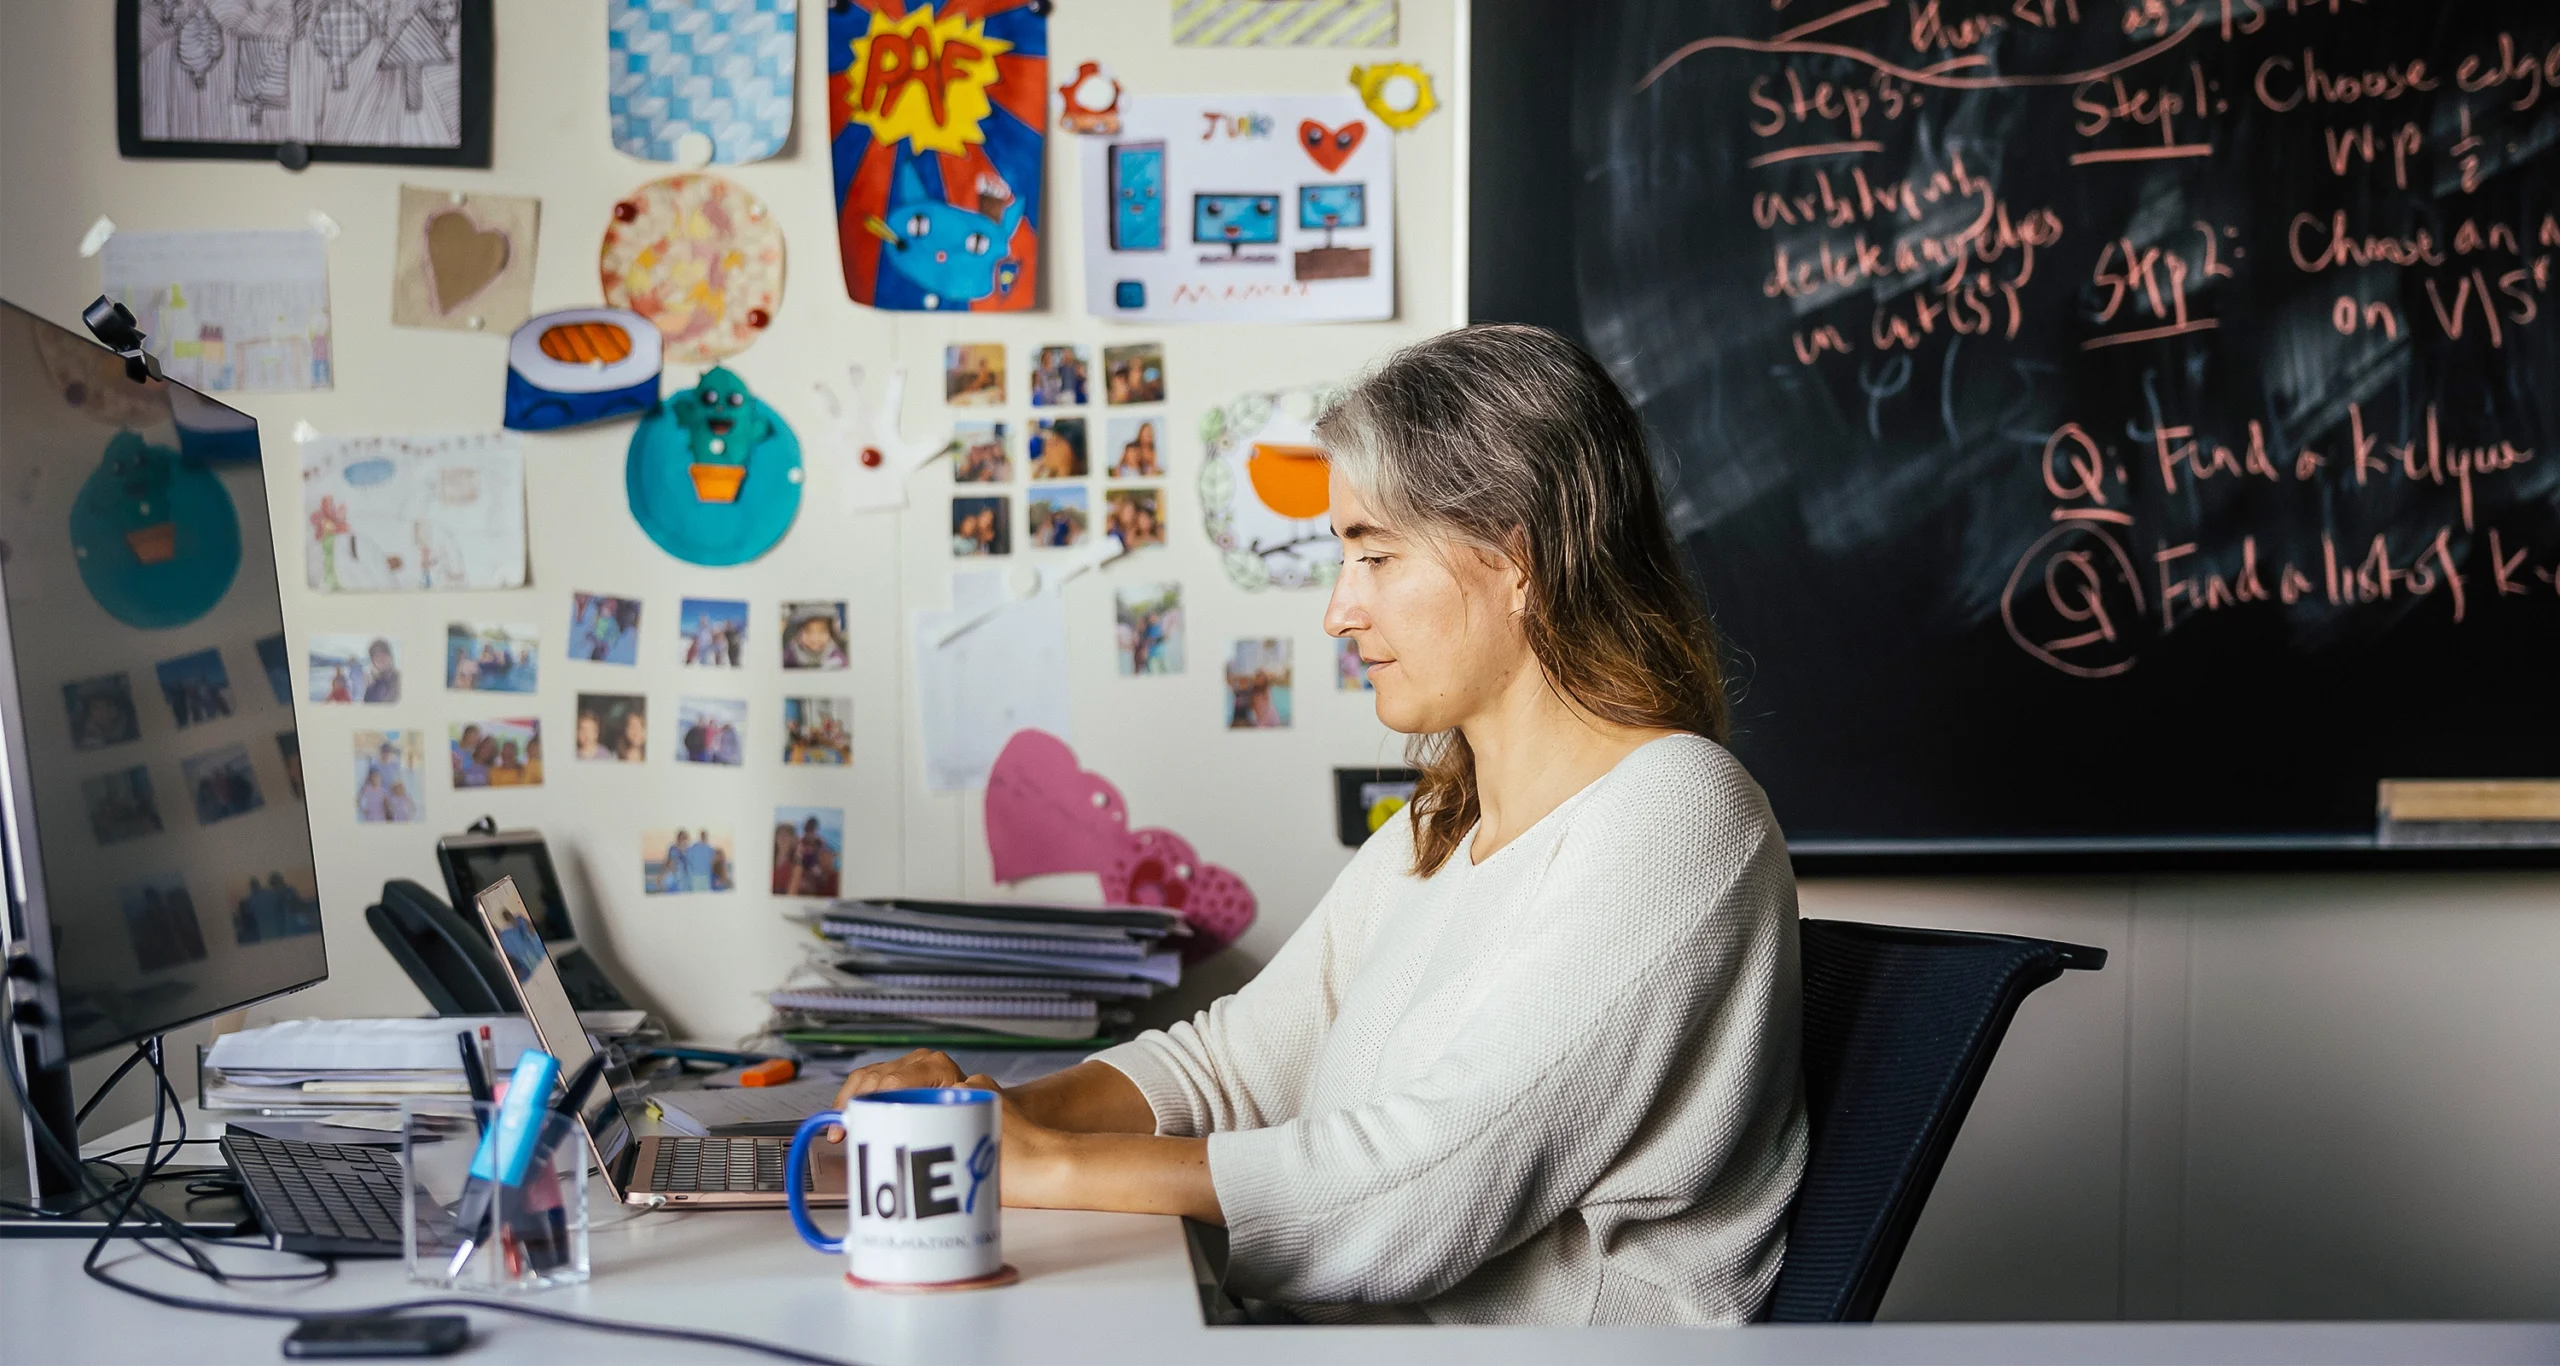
column 555, row 1021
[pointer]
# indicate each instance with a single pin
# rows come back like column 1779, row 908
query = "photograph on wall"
column 101, row 711
column 406, row 514
column 604, row 630
column 1133, row 448
column 984, row 456
column 1349, row 674
column 712, row 632
column 121, row 805
column 711, row 730
column 1058, row 377
column 981, row 526
column 276, row 658
column 348, row 669
column 1058, row 516
column 817, row 730
column 398, row 81
column 696, row 860
column 289, row 749
column 160, row 919
column 973, row 375
column 1133, row 373
column 489, row 657
column 718, row 73
column 1057, row 448
column 1136, row 516
column 465, row 261
column 613, row 727
column 808, row 850
column 1258, row 685
column 504, row 752
column 389, row 765
column 937, row 129
column 1149, row 618
column 813, row 635
column 227, row 311
column 1240, row 208
column 273, row 907
column 197, row 687
column 222, row 783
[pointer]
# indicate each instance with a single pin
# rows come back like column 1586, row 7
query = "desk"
column 1098, row 1288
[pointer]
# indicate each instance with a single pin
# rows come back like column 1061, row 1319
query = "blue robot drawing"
column 956, row 255
column 1235, row 221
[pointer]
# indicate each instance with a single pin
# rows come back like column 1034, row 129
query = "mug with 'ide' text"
column 921, row 1167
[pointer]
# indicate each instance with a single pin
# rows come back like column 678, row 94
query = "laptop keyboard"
column 690, row 1165
column 332, row 1197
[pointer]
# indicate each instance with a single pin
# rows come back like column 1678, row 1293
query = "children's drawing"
column 1262, row 486
column 719, row 70
column 936, row 115
column 714, row 473
column 227, row 310
column 581, row 365
column 698, row 257
column 351, row 80
column 157, row 536
column 465, row 261
column 1284, row 23
column 1240, row 208
column 384, row 514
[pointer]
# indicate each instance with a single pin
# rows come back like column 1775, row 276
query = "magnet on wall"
column 156, row 535
column 581, row 365
column 1399, row 93
column 714, row 473
column 1090, row 101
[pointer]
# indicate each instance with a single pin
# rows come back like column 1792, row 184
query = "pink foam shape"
column 1047, row 814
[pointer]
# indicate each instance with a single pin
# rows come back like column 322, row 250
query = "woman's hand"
column 922, row 1068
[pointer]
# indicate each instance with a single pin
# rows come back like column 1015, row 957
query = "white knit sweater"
column 1560, row 1086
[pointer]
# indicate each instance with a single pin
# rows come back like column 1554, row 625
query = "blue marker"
column 506, row 1149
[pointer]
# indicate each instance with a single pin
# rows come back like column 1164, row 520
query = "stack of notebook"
column 944, row 974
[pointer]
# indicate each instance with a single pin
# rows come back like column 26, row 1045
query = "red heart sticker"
column 1331, row 146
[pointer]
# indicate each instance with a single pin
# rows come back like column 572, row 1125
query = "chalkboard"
column 2098, row 425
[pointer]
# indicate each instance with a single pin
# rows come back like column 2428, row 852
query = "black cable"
column 106, row 1086
column 129, row 1190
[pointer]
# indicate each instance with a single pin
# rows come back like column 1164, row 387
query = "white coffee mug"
column 920, row 1165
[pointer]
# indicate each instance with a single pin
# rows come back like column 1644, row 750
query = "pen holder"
column 530, row 1235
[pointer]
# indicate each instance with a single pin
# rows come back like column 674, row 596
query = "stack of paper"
column 309, row 1066
column 950, row 973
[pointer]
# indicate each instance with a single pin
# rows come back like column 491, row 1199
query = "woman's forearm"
column 1088, row 1098
column 1132, row 1173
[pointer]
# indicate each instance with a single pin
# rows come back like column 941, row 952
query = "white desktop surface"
column 1100, row 1288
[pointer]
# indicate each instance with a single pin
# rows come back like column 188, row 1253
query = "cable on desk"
column 127, row 1193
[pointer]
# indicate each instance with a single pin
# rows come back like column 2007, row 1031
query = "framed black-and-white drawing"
column 399, row 81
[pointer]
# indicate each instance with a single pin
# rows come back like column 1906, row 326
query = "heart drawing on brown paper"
column 463, row 258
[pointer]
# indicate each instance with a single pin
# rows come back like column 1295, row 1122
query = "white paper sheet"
column 1213, row 208
column 409, row 514
column 1001, row 676
column 227, row 310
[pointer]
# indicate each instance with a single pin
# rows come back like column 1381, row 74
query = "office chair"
column 1899, row 1028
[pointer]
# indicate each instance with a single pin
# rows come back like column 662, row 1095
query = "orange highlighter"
column 770, row 1072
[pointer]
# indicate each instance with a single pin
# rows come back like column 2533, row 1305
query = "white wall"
column 2283, row 1097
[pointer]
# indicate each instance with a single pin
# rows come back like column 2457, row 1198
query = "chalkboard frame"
column 1513, row 241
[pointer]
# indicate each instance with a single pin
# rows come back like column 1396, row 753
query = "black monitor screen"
column 160, row 855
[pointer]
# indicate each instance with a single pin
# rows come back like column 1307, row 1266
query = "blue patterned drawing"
column 714, row 473
column 157, row 536
column 721, row 68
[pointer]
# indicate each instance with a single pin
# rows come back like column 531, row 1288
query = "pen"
column 475, row 1074
column 506, row 1150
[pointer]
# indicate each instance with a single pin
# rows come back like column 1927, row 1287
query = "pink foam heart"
column 1045, row 814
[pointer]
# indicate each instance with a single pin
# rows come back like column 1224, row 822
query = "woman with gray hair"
column 1534, row 1057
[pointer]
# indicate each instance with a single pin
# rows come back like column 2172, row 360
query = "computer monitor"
column 1235, row 220
column 1322, row 208
column 158, row 855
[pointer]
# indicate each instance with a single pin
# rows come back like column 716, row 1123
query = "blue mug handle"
column 795, row 1182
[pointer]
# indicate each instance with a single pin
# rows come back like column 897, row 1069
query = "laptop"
column 727, row 1173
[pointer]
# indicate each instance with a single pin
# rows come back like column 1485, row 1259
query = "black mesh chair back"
column 1899, row 1028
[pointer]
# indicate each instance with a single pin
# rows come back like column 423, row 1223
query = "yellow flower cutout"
column 1399, row 93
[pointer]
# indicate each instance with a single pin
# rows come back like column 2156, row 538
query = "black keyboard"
column 342, row 1199
column 693, row 1165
